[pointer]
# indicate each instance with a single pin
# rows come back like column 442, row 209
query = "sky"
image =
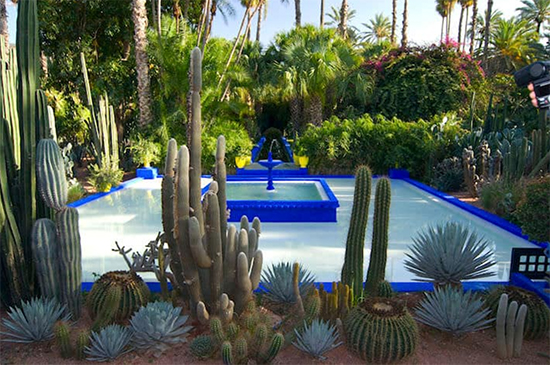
column 424, row 21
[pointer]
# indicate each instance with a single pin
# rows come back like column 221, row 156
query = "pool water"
column 132, row 217
column 284, row 191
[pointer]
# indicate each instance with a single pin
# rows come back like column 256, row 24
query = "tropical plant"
column 157, row 326
column 317, row 338
column 34, row 320
column 537, row 11
column 144, row 151
column 335, row 19
column 448, row 175
column 378, row 29
column 104, row 177
column 502, row 198
column 277, row 282
column 533, row 211
column 448, row 254
column 110, row 343
column 453, row 310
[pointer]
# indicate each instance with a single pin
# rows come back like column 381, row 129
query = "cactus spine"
column 218, row 267
column 352, row 271
column 379, row 249
column 63, row 340
column 510, row 327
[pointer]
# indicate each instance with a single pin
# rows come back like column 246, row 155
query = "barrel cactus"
column 381, row 330
column 537, row 322
column 134, row 294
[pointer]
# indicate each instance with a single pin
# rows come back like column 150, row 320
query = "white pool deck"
column 132, row 216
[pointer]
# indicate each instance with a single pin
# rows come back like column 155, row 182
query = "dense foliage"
column 533, row 213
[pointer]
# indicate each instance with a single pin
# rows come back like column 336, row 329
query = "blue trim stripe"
column 96, row 196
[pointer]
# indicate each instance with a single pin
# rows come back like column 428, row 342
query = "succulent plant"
column 448, row 254
column 278, row 284
column 317, row 338
column 62, row 336
column 34, row 320
column 202, row 346
column 158, row 325
column 453, row 310
column 82, row 341
column 109, row 343
column 537, row 321
column 381, row 330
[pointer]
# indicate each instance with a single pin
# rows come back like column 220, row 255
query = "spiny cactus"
column 50, row 174
column 352, row 271
column 385, row 290
column 337, row 303
column 202, row 346
column 63, row 340
column 82, row 341
column 381, row 330
column 134, row 294
column 509, row 327
column 379, row 249
column 45, row 253
column 537, row 321
column 207, row 259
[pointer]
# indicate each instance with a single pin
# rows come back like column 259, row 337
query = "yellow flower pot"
column 303, row 161
column 240, row 161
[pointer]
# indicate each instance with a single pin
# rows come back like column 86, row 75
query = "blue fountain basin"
column 269, row 164
column 304, row 200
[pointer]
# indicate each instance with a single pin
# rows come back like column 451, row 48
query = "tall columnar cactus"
column 510, row 327
column 514, row 158
column 57, row 251
column 379, row 249
column 217, row 277
column 352, row 271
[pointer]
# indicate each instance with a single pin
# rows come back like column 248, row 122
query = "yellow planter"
column 241, row 161
column 303, row 161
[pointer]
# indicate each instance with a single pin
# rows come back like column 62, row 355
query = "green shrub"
column 105, row 177
column 413, row 83
column 237, row 141
column 338, row 146
column 144, row 151
column 502, row 198
column 448, row 175
column 533, row 213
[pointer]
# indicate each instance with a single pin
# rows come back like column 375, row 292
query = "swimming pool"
column 132, row 216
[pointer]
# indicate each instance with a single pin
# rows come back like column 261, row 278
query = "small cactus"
column 62, row 337
column 510, row 328
column 202, row 346
column 82, row 342
column 227, row 353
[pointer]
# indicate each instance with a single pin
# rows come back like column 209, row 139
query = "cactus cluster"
column 207, row 260
column 352, row 271
column 336, row 303
column 115, row 296
column 510, row 323
column 56, row 246
column 381, row 330
column 537, row 321
column 380, row 232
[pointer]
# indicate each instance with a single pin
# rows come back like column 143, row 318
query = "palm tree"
column 393, row 21
column 404, row 38
column 473, row 27
column 378, row 29
column 225, row 8
column 322, row 20
column 535, row 10
column 262, row 14
column 139, row 16
column 443, row 11
column 510, row 43
column 352, row 31
column 342, row 27
column 464, row 5
column 487, row 31
column 496, row 16
column 298, row 11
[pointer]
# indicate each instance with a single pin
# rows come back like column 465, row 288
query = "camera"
column 537, row 73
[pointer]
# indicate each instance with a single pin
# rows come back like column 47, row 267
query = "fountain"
column 270, row 163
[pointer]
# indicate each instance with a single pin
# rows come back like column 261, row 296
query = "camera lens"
column 537, row 69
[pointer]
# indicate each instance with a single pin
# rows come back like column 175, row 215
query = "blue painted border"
column 96, row 196
column 489, row 217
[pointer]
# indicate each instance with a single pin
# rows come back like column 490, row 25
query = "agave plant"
column 448, row 254
column 317, row 338
column 277, row 282
column 158, row 325
column 34, row 321
column 453, row 310
column 111, row 342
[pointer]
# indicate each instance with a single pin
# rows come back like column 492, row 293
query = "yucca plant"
column 317, row 338
column 447, row 254
column 277, row 282
column 34, row 320
column 157, row 326
column 108, row 344
column 453, row 310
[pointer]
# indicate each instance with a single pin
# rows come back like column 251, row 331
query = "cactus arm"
column 221, row 176
column 226, row 308
column 501, row 326
column 510, row 323
column 195, row 138
column 242, row 245
column 200, row 255
column 202, row 313
column 244, row 223
column 230, row 261
column 256, row 272
column 296, row 289
column 214, row 244
column 243, row 284
column 50, row 173
column 45, row 251
column 227, row 353
column 519, row 327
column 252, row 244
column 257, row 225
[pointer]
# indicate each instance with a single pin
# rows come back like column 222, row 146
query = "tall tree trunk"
column 322, row 19
column 259, row 25
column 203, row 23
column 487, row 33
column 4, row 31
column 248, row 22
column 466, row 30
column 316, row 110
column 296, row 114
column 442, row 28
column 343, row 26
column 298, row 13
column 473, row 38
column 404, row 39
column 232, row 53
column 460, row 27
column 393, row 37
column 448, row 19
column 213, row 12
column 158, row 19
column 177, row 14
column 139, row 16
column 186, row 9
